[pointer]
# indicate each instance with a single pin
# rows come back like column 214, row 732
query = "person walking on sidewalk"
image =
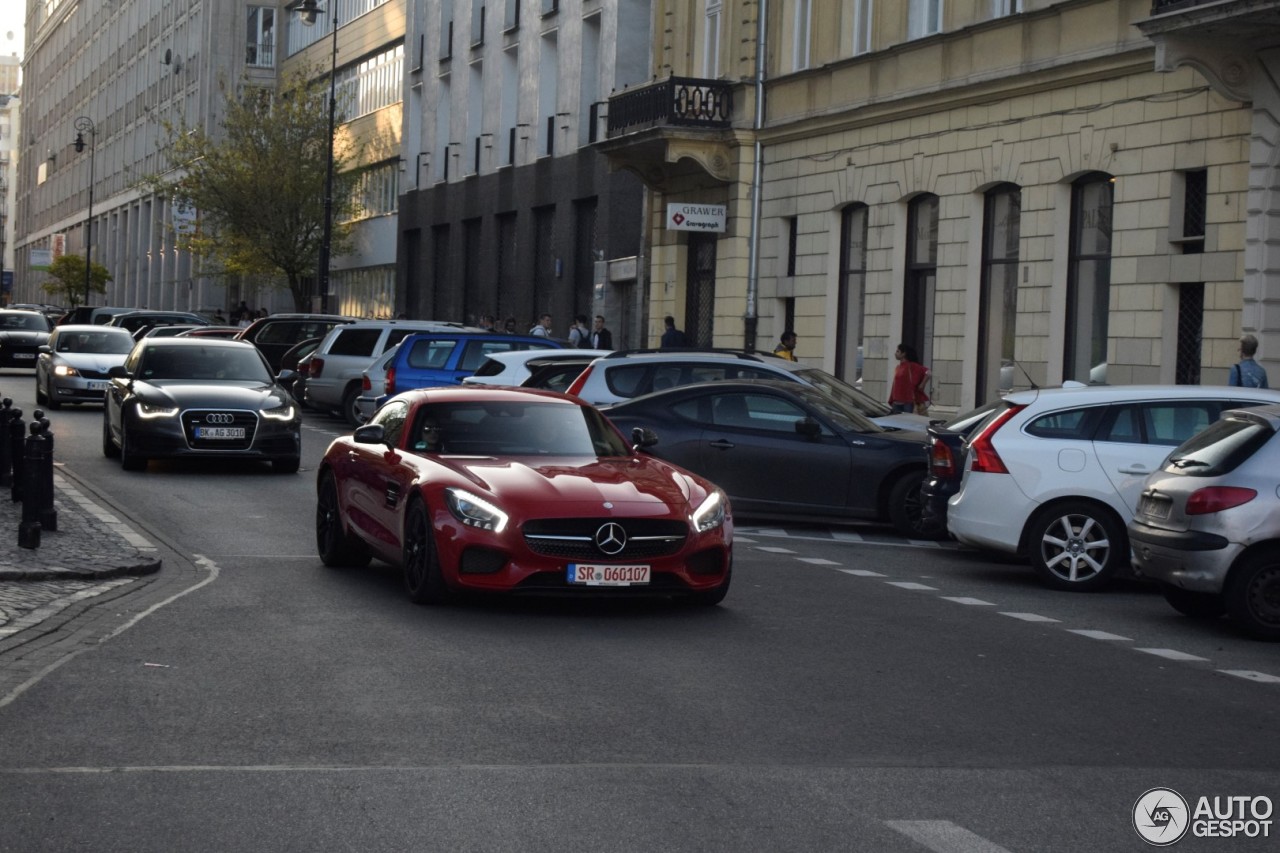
column 1247, row 373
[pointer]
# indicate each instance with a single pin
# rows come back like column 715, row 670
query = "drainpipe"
column 751, row 319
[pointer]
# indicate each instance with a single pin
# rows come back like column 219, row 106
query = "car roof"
column 1087, row 394
column 678, row 354
column 443, row 325
column 71, row 328
column 490, row 393
column 23, row 311
column 179, row 341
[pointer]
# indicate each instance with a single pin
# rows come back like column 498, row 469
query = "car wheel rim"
column 1075, row 548
column 327, row 516
column 1263, row 596
column 415, row 558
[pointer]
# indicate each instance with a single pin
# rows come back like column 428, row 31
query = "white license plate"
column 219, row 432
column 1153, row 507
column 25, row 355
column 98, row 386
column 589, row 574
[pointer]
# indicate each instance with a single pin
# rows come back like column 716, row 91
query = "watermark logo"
column 1160, row 817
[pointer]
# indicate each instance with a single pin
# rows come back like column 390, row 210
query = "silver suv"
column 1207, row 527
column 630, row 373
column 338, row 364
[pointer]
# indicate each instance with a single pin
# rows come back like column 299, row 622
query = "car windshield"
column 97, row 343
column 844, row 392
column 203, row 363
column 31, row 322
column 1220, row 447
column 515, row 428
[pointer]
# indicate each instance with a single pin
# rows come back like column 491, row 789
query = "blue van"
column 428, row 359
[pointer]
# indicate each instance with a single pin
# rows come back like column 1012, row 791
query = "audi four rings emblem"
column 218, row 418
column 611, row 538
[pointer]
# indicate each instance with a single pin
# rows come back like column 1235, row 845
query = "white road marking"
column 910, row 585
column 943, row 836
column 1099, row 635
column 769, row 549
column 817, row 561
column 841, row 536
column 1252, row 675
column 1171, row 654
column 963, row 600
column 862, row 573
column 1029, row 617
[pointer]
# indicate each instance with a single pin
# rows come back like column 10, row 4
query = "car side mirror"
column 370, row 434
column 44, row 349
column 118, row 371
column 809, row 428
column 642, row 437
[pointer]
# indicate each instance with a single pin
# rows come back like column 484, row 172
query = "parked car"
column 188, row 397
column 556, row 373
column 1054, row 474
column 631, row 373
column 333, row 380
column 211, row 332
column 163, row 331
column 22, row 333
column 514, row 367
column 94, row 315
column 134, row 321
column 277, row 334
column 53, row 312
column 72, row 367
column 373, row 384
column 785, row 450
column 1207, row 527
column 946, row 454
column 429, row 359
column 504, row 490
column 297, row 361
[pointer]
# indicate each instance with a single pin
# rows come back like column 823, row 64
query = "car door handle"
column 1135, row 469
column 856, row 443
column 721, row 444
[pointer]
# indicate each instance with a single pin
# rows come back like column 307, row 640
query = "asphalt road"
column 854, row 692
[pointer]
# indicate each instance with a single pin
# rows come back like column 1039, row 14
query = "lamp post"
column 308, row 10
column 84, row 125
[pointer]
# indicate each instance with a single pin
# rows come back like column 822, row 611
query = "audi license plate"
column 24, row 355
column 587, row 574
column 219, row 432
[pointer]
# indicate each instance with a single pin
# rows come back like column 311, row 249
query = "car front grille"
column 219, row 418
column 85, row 373
column 576, row 538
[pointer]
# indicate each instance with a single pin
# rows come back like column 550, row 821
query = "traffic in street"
column 855, row 690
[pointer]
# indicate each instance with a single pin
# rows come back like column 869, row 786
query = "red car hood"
column 583, row 486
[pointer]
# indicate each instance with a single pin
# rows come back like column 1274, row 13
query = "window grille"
column 1190, row 334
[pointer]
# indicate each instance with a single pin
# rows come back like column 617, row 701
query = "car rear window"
column 624, row 379
column 430, row 354
column 355, row 342
column 1220, row 448
column 1068, row 424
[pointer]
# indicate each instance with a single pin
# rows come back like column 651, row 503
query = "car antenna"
column 1034, row 386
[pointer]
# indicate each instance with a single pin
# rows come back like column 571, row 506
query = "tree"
column 67, row 285
column 258, row 185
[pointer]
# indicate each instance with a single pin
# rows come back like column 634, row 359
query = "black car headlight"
column 475, row 511
column 710, row 514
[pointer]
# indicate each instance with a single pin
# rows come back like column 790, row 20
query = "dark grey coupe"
column 202, row 398
column 21, row 334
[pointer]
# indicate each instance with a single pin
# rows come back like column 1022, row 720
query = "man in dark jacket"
column 601, row 338
column 672, row 338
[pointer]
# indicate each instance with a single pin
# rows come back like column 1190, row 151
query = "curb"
column 49, row 573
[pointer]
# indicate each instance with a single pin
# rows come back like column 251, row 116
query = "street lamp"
column 308, row 10
column 84, row 125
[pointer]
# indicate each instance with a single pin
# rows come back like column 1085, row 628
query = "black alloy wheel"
column 422, row 579
column 335, row 546
column 1253, row 595
column 906, row 507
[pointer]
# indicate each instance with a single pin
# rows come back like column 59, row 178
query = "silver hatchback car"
column 1207, row 526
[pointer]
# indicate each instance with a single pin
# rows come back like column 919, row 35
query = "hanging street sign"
column 696, row 217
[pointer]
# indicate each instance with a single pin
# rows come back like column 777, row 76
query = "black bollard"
column 6, row 450
column 29, row 528
column 43, row 464
column 16, row 439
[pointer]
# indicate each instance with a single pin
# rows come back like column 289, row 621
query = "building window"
column 511, row 18
column 1004, row 8
column 1195, row 201
column 446, row 29
column 861, row 26
column 1190, row 334
column 477, row 23
column 377, row 191
column 791, row 226
column 711, row 41
column 260, row 49
column 922, row 275
column 800, row 40
column 372, row 84
column 997, row 320
column 1089, row 279
column 924, row 18
column 851, row 294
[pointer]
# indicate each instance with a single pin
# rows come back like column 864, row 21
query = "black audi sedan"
column 784, row 450
column 199, row 398
column 22, row 333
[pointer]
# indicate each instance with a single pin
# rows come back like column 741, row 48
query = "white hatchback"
column 1054, row 474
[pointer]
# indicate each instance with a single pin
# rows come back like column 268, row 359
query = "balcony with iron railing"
column 674, row 102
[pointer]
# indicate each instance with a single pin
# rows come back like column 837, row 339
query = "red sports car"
column 512, row 490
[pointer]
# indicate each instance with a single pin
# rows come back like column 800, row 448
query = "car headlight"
column 154, row 410
column 282, row 412
column 65, row 370
column 475, row 511
column 710, row 514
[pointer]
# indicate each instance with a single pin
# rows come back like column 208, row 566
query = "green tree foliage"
column 257, row 184
column 67, row 279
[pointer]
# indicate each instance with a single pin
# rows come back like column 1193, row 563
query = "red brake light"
column 1218, row 498
column 942, row 463
column 576, row 387
column 365, row 384
column 985, row 458
column 389, row 384
column 317, row 365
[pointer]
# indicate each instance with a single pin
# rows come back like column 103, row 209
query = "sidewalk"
column 90, row 542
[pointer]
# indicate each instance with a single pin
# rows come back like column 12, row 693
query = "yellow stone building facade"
column 1013, row 188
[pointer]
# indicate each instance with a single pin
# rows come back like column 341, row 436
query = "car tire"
column 129, row 460
column 350, row 413
column 421, row 561
column 335, row 546
column 1199, row 605
column 1077, row 545
column 50, row 400
column 1253, row 595
column 712, row 597
column 109, row 448
column 41, row 396
column 286, row 464
column 905, row 506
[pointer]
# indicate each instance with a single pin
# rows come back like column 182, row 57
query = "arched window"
column 851, row 293
column 1002, row 213
column 1089, row 279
